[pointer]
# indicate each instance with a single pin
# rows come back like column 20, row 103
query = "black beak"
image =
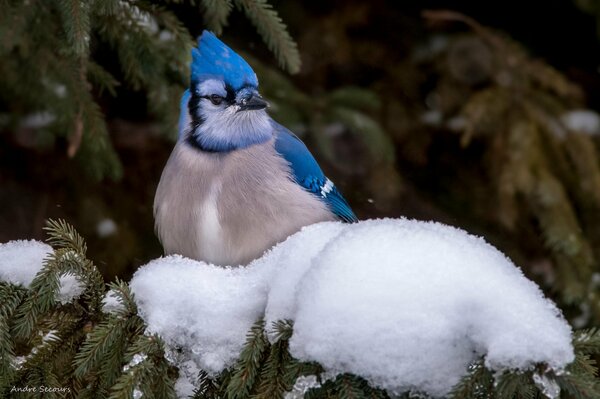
column 255, row 102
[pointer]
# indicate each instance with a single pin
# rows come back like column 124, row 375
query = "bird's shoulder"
column 307, row 172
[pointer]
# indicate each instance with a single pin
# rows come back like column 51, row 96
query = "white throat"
column 229, row 128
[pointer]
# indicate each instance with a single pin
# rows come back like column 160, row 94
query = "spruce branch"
column 516, row 385
column 346, row 386
column 476, row 384
column 216, row 13
column 146, row 372
column 247, row 368
column 76, row 24
column 273, row 31
column 587, row 341
column 104, row 342
column 10, row 298
column 580, row 379
column 280, row 370
column 208, row 388
column 63, row 235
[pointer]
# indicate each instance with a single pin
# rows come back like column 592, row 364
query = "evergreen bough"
column 57, row 58
column 91, row 353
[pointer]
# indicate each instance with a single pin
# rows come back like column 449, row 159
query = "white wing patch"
column 326, row 189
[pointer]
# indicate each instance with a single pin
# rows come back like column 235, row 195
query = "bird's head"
column 224, row 109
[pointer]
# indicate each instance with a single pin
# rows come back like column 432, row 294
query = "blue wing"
column 309, row 175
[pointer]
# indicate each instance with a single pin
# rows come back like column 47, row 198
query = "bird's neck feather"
column 230, row 130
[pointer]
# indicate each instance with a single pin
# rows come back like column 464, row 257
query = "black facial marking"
column 195, row 143
column 193, row 106
column 230, row 98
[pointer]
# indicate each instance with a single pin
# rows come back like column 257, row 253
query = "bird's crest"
column 213, row 58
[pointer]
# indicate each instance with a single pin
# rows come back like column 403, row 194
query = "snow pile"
column 582, row 121
column 205, row 310
column 21, row 260
column 405, row 304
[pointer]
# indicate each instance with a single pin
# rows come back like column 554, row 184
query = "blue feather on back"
column 213, row 58
column 308, row 173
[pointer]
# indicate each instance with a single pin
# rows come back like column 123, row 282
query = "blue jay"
column 237, row 182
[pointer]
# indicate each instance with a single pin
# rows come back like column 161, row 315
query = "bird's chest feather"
column 228, row 208
column 208, row 222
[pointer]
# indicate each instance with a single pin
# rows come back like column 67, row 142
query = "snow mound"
column 21, row 260
column 405, row 304
column 202, row 309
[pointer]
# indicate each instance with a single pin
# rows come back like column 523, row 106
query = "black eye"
column 216, row 99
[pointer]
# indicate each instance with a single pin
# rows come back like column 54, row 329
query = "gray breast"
column 228, row 208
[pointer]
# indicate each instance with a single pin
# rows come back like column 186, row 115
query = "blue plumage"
column 225, row 195
column 213, row 59
column 308, row 173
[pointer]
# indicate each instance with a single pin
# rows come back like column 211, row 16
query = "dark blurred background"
column 475, row 114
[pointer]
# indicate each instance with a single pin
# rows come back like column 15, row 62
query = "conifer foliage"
column 540, row 168
column 92, row 352
column 54, row 66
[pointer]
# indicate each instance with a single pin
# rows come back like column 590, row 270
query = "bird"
column 237, row 182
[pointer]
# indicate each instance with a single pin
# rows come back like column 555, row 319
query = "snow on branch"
column 21, row 260
column 407, row 305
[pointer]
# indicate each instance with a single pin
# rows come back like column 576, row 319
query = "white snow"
column 582, row 121
column 205, row 310
column 21, row 260
column 402, row 303
column 106, row 228
column 188, row 374
column 547, row 385
column 432, row 117
column 38, row 120
column 184, row 388
column 301, row 386
column 135, row 360
column 111, row 303
column 70, row 288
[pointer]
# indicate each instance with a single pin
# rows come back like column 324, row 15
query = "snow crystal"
column 135, row 360
column 547, row 385
column 582, row 121
column 20, row 260
column 301, row 386
column 404, row 304
column 184, row 388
